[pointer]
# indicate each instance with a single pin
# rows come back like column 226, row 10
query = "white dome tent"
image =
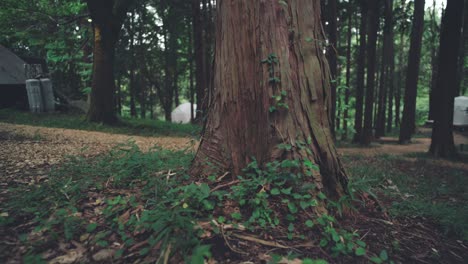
column 182, row 113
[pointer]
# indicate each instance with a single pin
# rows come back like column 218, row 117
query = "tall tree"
column 200, row 56
column 442, row 135
column 462, row 80
column 385, row 78
column 434, row 29
column 108, row 16
column 283, row 100
column 361, row 72
column 332, row 55
column 408, row 125
column 347, row 96
column 372, row 30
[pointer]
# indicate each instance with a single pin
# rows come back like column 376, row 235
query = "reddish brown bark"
column 241, row 124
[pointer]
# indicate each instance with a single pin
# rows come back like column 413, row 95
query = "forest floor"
column 418, row 229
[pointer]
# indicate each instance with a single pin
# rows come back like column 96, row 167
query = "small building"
column 12, row 80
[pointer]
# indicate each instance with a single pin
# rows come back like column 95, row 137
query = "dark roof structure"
column 12, row 71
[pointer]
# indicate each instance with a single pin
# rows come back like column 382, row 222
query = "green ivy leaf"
column 360, row 251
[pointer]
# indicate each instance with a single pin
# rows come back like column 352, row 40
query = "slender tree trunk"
column 408, row 126
column 386, row 79
column 401, row 78
column 391, row 78
column 332, row 54
column 361, row 72
column 371, row 70
column 348, row 75
column 442, row 135
column 132, row 85
column 434, row 60
column 244, row 121
column 191, row 79
column 462, row 69
column 199, row 53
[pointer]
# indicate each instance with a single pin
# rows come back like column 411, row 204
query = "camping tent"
column 460, row 114
column 182, row 113
column 12, row 79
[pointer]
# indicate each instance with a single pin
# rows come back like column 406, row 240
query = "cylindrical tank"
column 33, row 88
column 48, row 95
column 460, row 113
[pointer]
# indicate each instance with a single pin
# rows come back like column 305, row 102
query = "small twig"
column 166, row 254
column 228, row 244
column 261, row 241
column 224, row 185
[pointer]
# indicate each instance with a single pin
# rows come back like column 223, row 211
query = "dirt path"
column 32, row 147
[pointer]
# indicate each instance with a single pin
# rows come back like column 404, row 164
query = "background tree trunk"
column 373, row 28
column 332, row 55
column 244, row 121
column 442, row 135
column 361, row 72
column 408, row 124
column 349, row 35
column 107, row 19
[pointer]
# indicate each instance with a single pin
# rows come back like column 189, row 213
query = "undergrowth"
column 145, row 206
column 417, row 187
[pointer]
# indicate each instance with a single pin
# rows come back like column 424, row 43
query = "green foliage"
column 439, row 192
column 168, row 209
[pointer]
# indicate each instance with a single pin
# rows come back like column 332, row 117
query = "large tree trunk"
column 107, row 19
column 102, row 108
column 245, row 122
column 361, row 72
column 408, row 125
column 442, row 135
column 373, row 28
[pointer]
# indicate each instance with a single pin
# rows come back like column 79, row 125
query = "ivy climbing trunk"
column 107, row 20
column 271, row 87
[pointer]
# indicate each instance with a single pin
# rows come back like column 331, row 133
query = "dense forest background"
column 164, row 55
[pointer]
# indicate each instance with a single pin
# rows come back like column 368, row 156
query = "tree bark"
column 401, row 78
column 386, row 80
column 349, row 35
column 332, row 55
column 442, row 144
column 107, row 20
column 373, row 28
column 434, row 60
column 199, row 53
column 245, row 122
column 462, row 69
column 361, row 72
column 408, row 125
